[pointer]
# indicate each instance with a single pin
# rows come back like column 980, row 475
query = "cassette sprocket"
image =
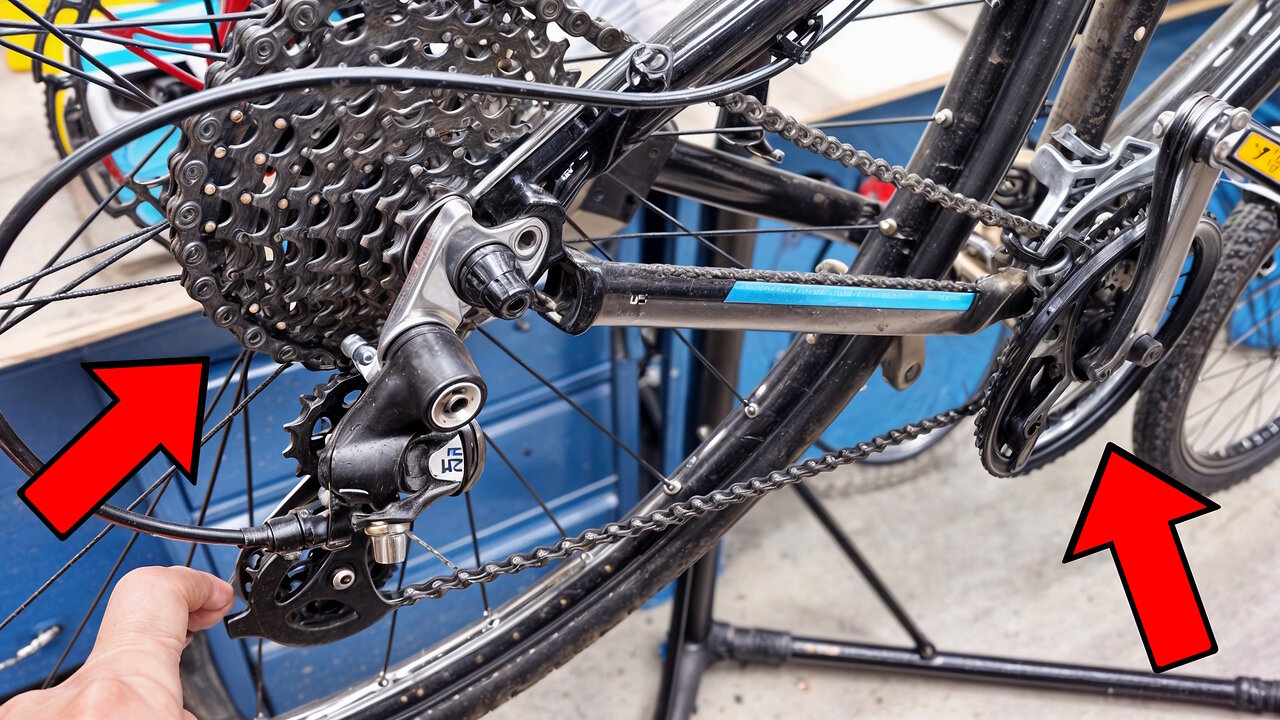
column 284, row 211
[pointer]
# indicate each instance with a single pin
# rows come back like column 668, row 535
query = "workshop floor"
column 978, row 562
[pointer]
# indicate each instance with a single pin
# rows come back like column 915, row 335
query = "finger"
column 152, row 609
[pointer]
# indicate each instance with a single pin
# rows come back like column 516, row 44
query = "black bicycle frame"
column 965, row 155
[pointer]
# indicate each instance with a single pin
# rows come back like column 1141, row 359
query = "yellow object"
column 53, row 48
column 1260, row 153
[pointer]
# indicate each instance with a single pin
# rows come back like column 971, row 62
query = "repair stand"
column 697, row 640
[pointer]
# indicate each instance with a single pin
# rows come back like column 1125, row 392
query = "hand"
column 132, row 672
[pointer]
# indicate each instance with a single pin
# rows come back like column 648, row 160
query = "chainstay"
column 817, row 142
column 680, row 512
column 880, row 282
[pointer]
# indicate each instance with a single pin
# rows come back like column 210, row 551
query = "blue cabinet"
column 579, row 473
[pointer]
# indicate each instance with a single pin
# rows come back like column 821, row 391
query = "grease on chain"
column 819, row 143
column 681, row 512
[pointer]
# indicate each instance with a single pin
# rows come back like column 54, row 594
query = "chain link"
column 576, row 22
column 681, row 512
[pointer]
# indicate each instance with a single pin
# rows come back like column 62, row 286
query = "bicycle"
column 332, row 216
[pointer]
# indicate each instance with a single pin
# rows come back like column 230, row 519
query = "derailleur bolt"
column 363, row 355
column 390, row 541
column 491, row 278
column 1145, row 351
column 342, row 578
column 889, row 227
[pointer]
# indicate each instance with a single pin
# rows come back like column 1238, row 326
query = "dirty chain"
column 681, row 512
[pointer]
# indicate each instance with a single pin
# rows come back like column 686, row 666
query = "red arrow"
column 157, row 406
column 1131, row 510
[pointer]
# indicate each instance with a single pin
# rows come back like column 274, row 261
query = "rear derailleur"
column 376, row 447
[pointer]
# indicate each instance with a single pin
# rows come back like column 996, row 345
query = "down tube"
column 998, row 88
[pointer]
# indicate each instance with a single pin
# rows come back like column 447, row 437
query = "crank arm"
column 587, row 292
column 1184, row 181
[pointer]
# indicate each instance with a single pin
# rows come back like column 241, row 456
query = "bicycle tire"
column 1250, row 235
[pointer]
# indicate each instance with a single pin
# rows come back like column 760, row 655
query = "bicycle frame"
column 619, row 294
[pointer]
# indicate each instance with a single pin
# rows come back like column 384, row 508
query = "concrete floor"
column 977, row 560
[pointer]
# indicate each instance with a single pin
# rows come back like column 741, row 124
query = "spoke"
column 97, row 211
column 243, row 403
column 701, row 358
column 102, row 591
column 144, row 23
column 391, row 632
column 128, row 42
column 258, row 683
column 1242, row 377
column 222, row 443
column 475, row 547
column 672, row 219
column 807, row 230
column 65, row 38
column 919, row 9
column 1245, row 335
column 164, row 479
column 248, row 445
column 121, row 287
column 42, row 60
column 1236, row 386
column 527, row 486
column 829, row 124
column 213, row 26
column 671, row 487
column 83, row 551
column 150, row 231
column 35, row 304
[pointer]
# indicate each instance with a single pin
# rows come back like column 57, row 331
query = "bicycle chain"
column 792, row 277
column 607, row 38
column 681, row 512
column 814, row 140
column 804, row 136
column 678, row 513
column 576, row 22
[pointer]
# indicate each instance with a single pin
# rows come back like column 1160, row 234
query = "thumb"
column 150, row 614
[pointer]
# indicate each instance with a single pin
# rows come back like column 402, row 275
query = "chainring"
column 288, row 213
column 1038, row 363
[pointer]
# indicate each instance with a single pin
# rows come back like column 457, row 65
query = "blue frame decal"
column 768, row 293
